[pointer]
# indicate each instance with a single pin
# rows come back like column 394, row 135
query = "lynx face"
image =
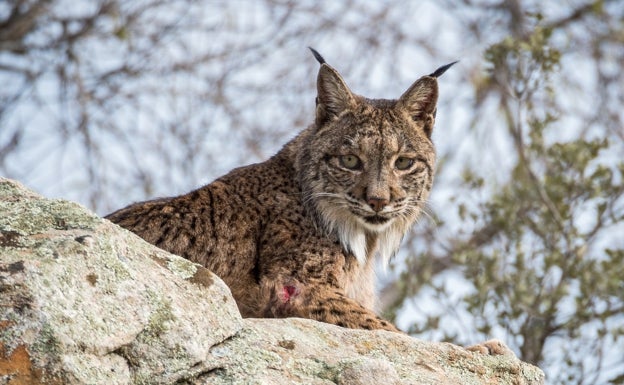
column 368, row 165
column 381, row 171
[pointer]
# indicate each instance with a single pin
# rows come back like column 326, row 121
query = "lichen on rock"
column 83, row 301
column 81, row 295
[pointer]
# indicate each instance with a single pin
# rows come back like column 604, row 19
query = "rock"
column 301, row 351
column 83, row 301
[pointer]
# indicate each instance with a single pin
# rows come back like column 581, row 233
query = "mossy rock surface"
column 86, row 302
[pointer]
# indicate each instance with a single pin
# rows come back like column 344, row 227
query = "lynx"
column 298, row 235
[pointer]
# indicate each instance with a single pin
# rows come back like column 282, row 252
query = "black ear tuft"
column 317, row 56
column 437, row 73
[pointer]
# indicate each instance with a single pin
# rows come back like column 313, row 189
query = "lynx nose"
column 377, row 204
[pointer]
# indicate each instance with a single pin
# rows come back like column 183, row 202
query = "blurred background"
column 107, row 102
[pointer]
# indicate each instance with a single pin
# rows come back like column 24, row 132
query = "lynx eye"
column 402, row 163
column 350, row 162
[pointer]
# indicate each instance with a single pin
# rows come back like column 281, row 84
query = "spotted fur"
column 297, row 234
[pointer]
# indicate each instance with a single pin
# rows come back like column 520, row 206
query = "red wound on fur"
column 288, row 292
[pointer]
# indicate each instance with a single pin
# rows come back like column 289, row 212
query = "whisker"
column 316, row 195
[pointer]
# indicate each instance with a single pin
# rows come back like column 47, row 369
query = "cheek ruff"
column 352, row 230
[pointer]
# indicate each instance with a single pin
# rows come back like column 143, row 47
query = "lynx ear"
column 419, row 102
column 333, row 96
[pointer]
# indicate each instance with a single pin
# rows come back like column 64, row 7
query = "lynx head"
column 367, row 165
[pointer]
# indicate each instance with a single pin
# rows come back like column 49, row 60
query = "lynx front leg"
column 325, row 304
column 492, row 347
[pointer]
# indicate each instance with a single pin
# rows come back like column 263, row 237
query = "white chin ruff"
column 352, row 232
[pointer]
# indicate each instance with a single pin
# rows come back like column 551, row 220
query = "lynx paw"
column 492, row 348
